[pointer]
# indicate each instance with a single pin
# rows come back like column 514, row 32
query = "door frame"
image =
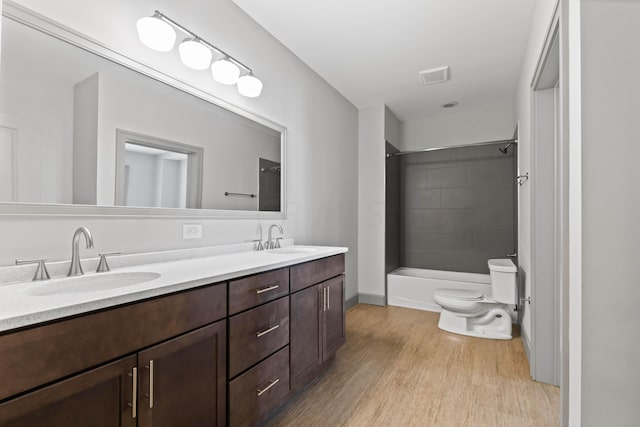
column 547, row 246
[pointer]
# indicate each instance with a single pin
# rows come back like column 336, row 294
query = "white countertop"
column 20, row 304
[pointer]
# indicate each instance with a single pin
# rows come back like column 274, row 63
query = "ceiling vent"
column 434, row 75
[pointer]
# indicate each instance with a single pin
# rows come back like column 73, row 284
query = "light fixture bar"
column 203, row 41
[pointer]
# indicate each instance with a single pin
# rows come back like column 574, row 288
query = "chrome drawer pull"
column 266, row 389
column 265, row 332
column 150, row 395
column 267, row 289
column 134, row 393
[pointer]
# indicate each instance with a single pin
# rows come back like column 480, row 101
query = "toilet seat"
column 460, row 294
column 467, row 303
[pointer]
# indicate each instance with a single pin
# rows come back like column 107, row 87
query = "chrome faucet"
column 76, row 268
column 270, row 243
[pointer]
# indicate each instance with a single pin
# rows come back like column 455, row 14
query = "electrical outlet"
column 192, row 231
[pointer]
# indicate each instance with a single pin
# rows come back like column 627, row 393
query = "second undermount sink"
column 293, row 250
column 91, row 283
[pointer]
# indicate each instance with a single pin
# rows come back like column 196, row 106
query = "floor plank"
column 398, row 369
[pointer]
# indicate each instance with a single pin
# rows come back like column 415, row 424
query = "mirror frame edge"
column 38, row 22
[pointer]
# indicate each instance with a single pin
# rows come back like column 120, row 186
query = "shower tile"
column 415, row 177
column 422, row 199
column 447, row 177
column 499, row 243
column 435, row 240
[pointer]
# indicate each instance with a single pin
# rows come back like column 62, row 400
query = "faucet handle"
column 102, row 265
column 41, row 270
column 259, row 246
column 277, row 245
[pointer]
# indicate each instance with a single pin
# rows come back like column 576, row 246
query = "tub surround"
column 178, row 270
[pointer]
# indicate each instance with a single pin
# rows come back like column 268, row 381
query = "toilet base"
column 494, row 324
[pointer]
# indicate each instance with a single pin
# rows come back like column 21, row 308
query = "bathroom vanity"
column 228, row 349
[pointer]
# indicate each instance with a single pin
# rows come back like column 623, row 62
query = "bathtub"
column 413, row 287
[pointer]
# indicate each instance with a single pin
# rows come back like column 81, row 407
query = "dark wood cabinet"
column 333, row 334
column 182, row 382
column 99, row 397
column 306, row 335
column 179, row 382
column 182, row 359
column 317, row 328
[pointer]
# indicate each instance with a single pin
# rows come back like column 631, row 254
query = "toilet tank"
column 503, row 280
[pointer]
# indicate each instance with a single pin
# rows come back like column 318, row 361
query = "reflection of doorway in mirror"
column 8, row 164
column 155, row 177
column 269, row 185
column 155, row 172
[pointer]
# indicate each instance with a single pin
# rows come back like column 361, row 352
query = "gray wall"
column 610, row 212
column 457, row 208
column 392, row 210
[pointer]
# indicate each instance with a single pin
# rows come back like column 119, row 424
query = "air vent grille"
column 434, row 75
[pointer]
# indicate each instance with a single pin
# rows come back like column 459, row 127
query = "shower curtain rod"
column 474, row 144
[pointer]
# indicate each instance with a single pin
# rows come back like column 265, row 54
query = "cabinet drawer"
column 310, row 273
column 255, row 334
column 42, row 354
column 260, row 390
column 255, row 290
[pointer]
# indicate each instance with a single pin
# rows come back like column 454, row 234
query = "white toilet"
column 476, row 314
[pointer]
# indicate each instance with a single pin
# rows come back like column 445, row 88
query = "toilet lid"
column 461, row 294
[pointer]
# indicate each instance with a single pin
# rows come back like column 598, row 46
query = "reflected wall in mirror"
column 77, row 128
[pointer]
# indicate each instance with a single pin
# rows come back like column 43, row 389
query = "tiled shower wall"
column 457, row 208
column 392, row 211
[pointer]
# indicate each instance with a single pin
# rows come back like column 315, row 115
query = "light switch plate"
column 192, row 231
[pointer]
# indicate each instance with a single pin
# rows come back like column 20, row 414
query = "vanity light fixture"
column 157, row 32
column 194, row 54
column 249, row 86
column 226, row 72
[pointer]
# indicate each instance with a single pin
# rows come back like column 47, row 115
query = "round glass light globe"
column 156, row 34
column 225, row 72
column 194, row 54
column 249, row 86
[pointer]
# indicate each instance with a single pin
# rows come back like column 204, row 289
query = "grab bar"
column 227, row 193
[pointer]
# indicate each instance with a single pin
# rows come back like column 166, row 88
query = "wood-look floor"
column 398, row 369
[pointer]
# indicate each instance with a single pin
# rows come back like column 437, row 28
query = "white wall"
column 458, row 126
column 611, row 201
column 371, row 204
column 322, row 131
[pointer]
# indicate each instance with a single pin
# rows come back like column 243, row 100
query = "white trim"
column 572, row 73
column 13, row 134
column 25, row 16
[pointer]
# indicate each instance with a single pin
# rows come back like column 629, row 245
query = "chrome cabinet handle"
column 267, row 289
column 271, row 384
column 266, row 331
column 150, row 395
column 134, row 393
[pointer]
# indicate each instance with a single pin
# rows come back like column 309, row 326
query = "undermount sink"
column 91, row 283
column 293, row 250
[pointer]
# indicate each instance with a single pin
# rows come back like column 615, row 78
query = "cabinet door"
column 306, row 336
column 333, row 330
column 100, row 397
column 183, row 381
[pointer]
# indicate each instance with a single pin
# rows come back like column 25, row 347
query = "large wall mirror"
column 86, row 130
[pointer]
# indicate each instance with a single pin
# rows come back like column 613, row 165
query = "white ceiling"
column 372, row 50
